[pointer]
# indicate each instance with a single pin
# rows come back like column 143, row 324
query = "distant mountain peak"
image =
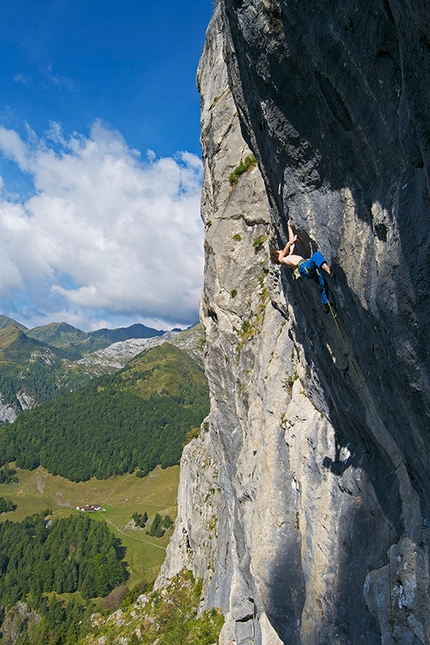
column 136, row 330
column 5, row 321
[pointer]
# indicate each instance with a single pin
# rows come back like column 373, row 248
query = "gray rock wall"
column 306, row 498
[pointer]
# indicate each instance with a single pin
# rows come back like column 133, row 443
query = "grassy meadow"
column 119, row 496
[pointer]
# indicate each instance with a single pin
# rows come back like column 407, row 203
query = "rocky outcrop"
column 118, row 354
column 8, row 413
column 306, row 497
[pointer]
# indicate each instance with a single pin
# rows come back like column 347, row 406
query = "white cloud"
column 13, row 147
column 104, row 234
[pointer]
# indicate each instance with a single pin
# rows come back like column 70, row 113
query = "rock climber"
column 309, row 269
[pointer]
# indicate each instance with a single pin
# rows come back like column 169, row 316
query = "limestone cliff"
column 306, row 498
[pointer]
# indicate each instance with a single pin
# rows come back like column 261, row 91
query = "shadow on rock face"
column 331, row 101
column 287, row 591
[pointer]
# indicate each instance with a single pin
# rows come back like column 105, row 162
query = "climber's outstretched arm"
column 291, row 236
column 289, row 247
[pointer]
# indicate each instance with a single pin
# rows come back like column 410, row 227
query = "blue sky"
column 100, row 169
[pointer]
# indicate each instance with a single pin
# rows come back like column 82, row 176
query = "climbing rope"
column 390, row 522
column 354, row 370
column 391, row 519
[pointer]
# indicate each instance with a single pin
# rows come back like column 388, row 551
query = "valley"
column 120, row 496
column 92, row 428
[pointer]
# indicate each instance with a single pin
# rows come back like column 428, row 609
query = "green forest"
column 158, row 525
column 6, row 505
column 40, row 380
column 135, row 419
column 36, row 380
column 7, row 475
column 39, row 557
column 54, row 573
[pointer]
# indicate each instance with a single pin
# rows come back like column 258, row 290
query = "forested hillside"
column 39, row 376
column 135, row 419
column 40, row 559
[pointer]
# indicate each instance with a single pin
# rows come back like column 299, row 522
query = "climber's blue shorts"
column 310, row 269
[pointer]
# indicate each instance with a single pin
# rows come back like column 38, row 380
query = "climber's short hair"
column 274, row 255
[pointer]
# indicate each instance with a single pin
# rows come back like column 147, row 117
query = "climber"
column 186, row 537
column 309, row 269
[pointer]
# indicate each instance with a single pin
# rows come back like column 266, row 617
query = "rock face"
column 306, row 499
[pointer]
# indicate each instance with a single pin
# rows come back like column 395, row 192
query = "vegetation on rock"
column 169, row 617
column 243, row 167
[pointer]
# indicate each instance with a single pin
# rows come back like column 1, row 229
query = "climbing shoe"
column 327, row 309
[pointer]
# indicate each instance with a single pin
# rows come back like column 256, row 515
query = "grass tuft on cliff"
column 244, row 166
column 169, row 616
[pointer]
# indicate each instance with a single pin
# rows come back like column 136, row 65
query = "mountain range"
column 39, row 364
column 74, row 343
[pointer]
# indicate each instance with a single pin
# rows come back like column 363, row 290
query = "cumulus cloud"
column 105, row 235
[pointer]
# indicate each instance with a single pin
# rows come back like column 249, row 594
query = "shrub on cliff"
column 243, row 167
column 169, row 616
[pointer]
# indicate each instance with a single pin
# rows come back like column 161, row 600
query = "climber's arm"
column 287, row 248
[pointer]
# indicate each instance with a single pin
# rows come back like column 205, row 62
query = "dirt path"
column 131, row 536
